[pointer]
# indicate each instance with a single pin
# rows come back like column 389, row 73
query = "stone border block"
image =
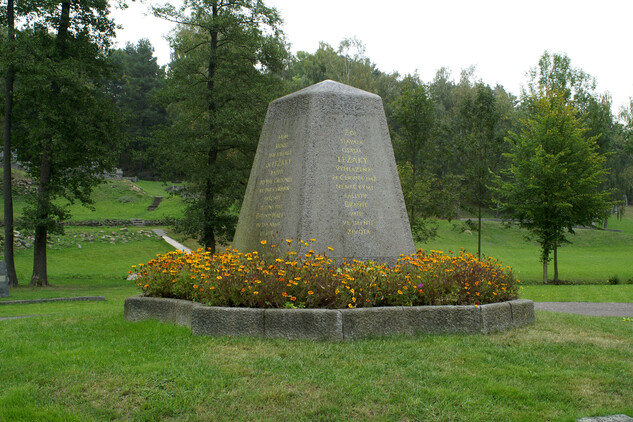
column 138, row 308
column 331, row 324
column 496, row 317
column 368, row 322
column 522, row 312
column 316, row 324
column 220, row 321
column 447, row 319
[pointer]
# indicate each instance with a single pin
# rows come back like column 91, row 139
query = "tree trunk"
column 208, row 231
column 479, row 232
column 555, row 263
column 545, row 271
column 40, row 274
column 8, row 194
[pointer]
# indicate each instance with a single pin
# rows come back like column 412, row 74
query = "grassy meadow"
column 81, row 361
column 121, row 200
column 593, row 256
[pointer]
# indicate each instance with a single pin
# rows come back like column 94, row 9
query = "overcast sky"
column 502, row 38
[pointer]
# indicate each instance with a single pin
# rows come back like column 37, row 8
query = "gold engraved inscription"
column 355, row 177
column 273, row 188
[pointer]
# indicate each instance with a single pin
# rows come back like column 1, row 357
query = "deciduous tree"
column 552, row 184
column 480, row 146
column 415, row 148
column 65, row 125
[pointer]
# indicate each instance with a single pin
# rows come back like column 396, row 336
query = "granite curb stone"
column 446, row 319
column 331, row 324
column 317, row 324
column 496, row 317
column 369, row 322
column 522, row 312
column 221, row 321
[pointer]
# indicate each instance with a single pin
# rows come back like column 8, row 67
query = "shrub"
column 613, row 280
column 306, row 279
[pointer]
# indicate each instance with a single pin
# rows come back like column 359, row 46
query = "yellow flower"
column 293, row 298
column 263, row 242
column 310, row 292
column 255, row 293
column 330, row 248
column 399, row 292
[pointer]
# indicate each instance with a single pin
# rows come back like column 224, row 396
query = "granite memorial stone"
column 325, row 170
column 4, row 280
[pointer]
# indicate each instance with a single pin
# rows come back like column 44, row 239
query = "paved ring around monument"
column 331, row 324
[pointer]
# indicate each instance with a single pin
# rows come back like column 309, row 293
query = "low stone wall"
column 331, row 324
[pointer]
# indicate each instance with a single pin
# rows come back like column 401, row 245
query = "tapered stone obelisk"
column 325, row 170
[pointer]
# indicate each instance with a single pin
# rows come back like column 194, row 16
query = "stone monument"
column 325, row 170
column 4, row 280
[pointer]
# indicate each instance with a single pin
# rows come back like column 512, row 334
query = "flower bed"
column 300, row 278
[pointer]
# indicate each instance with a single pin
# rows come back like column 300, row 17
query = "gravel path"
column 587, row 308
column 172, row 242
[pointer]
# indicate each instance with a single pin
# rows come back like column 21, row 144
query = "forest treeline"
column 550, row 157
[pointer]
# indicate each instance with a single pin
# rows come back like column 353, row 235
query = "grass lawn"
column 122, row 200
column 582, row 293
column 82, row 361
column 593, row 255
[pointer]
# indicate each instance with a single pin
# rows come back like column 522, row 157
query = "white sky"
column 502, row 38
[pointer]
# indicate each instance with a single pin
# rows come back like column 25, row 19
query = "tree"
column 65, row 124
column 415, row 149
column 555, row 72
column 480, row 145
column 7, row 133
column 135, row 85
column 555, row 171
column 227, row 55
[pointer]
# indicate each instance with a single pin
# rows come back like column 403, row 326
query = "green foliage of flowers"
column 310, row 280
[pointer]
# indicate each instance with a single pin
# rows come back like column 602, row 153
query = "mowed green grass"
column 95, row 269
column 593, row 255
column 81, row 361
column 120, row 200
